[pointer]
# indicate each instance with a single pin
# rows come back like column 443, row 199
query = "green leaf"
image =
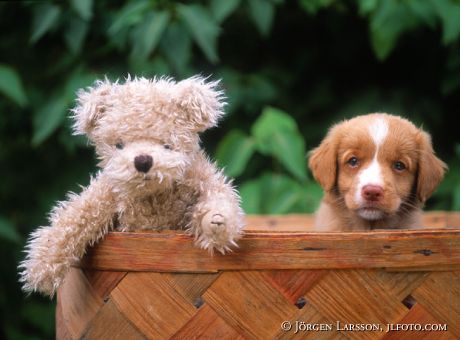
column 289, row 149
column 234, row 152
column 313, row 6
column 75, row 34
column 424, row 11
column 251, row 197
column 388, row 22
column 457, row 149
column 148, row 34
column 310, row 197
column 132, row 13
column 203, row 28
column 79, row 79
column 222, row 9
column 45, row 17
column 84, row 8
column 449, row 12
column 456, row 197
column 11, row 85
column 276, row 133
column 153, row 67
column 270, row 121
column 272, row 194
column 48, row 119
column 262, row 13
column 280, row 193
column 8, row 231
column 176, row 45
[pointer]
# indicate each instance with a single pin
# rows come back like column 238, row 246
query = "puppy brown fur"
column 377, row 171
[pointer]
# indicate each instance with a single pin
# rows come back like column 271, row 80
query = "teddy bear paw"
column 217, row 232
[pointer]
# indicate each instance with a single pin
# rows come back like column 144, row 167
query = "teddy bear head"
column 146, row 131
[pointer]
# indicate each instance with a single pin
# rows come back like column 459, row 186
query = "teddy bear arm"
column 217, row 220
column 74, row 224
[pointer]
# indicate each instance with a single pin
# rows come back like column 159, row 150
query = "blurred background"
column 289, row 68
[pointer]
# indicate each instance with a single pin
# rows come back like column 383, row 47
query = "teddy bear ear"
column 91, row 105
column 202, row 103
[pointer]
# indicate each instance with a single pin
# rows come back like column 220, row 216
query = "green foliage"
column 276, row 133
column 290, row 69
column 46, row 16
column 389, row 19
column 273, row 134
column 222, row 9
column 11, row 86
column 203, row 27
column 234, row 152
column 262, row 12
column 84, row 8
column 8, row 231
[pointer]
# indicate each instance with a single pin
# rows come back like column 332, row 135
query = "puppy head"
column 377, row 165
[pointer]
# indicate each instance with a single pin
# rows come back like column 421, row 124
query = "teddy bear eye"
column 167, row 146
column 120, row 145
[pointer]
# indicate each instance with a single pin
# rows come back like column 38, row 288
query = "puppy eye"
column 399, row 166
column 353, row 162
column 167, row 146
column 120, row 145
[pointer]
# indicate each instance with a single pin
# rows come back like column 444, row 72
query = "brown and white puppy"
column 377, row 171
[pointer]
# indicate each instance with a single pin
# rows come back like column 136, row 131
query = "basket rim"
column 174, row 251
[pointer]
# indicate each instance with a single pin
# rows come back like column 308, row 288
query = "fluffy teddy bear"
column 153, row 175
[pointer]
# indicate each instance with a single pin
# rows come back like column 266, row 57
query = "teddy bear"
column 153, row 174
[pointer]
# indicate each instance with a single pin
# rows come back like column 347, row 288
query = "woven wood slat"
column 440, row 294
column 190, row 286
column 293, row 284
column 109, row 323
column 400, row 284
column 61, row 327
column 160, row 286
column 253, row 304
column 206, row 324
column 78, row 302
column 258, row 317
column 151, row 304
column 354, row 297
column 103, row 282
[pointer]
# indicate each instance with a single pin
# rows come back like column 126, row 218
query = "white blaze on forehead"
column 378, row 131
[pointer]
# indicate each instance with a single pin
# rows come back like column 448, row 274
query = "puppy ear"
column 201, row 102
column 430, row 168
column 323, row 161
column 91, row 105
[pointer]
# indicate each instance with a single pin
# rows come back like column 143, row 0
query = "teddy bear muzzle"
column 143, row 163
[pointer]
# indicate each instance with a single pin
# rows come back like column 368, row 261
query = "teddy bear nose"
column 143, row 163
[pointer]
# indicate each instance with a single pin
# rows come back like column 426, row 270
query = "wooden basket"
column 158, row 285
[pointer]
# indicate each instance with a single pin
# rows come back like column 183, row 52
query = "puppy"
column 377, row 171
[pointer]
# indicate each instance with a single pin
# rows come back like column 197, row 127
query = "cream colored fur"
column 182, row 189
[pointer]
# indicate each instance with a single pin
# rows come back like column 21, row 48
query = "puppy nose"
column 143, row 163
column 372, row 193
